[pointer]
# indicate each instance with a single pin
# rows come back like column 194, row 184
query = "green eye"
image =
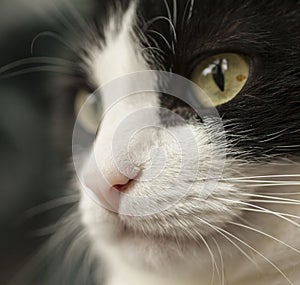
column 221, row 77
column 88, row 110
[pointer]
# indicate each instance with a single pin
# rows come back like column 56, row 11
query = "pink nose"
column 106, row 184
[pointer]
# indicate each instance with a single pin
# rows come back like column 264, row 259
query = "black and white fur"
column 247, row 230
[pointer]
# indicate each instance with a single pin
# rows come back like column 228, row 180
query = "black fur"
column 264, row 118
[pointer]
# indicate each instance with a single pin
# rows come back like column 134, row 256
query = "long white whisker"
column 264, row 212
column 168, row 10
column 180, row 250
column 175, row 12
column 55, row 203
column 221, row 259
column 214, row 264
column 191, row 10
column 274, row 135
column 266, row 235
column 287, row 146
column 271, row 185
column 154, row 50
column 269, row 197
column 264, row 209
column 222, row 233
column 187, row 6
column 260, row 254
column 51, row 35
column 162, row 36
column 281, row 193
column 267, row 181
column 75, row 244
column 188, row 11
column 68, row 25
column 49, row 230
column 150, row 22
column 70, row 228
column 274, row 202
column 78, row 17
column 265, row 176
column 45, row 68
column 36, row 60
column 154, row 41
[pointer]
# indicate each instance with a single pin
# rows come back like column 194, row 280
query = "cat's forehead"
column 185, row 29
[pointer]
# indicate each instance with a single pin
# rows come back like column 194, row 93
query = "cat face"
column 152, row 146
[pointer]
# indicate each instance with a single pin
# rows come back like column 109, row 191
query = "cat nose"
column 106, row 184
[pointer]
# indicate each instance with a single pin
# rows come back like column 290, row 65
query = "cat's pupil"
column 218, row 76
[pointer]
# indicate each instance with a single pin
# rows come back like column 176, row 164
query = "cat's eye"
column 88, row 110
column 221, row 77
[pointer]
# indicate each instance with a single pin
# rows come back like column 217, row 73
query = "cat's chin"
column 116, row 227
column 112, row 237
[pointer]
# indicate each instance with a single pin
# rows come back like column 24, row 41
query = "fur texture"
column 245, row 232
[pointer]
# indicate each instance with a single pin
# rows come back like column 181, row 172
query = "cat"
column 192, row 175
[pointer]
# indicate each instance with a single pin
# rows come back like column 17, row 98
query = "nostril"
column 108, row 182
column 123, row 187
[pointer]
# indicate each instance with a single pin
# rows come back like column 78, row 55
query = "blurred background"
column 36, row 117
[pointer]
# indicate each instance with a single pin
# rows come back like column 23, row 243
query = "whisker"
column 218, row 230
column 180, row 249
column 36, row 60
column 188, row 11
column 77, row 16
column 185, row 12
column 155, row 43
column 287, row 146
column 150, row 22
column 260, row 254
column 191, row 10
column 274, row 202
column 265, row 176
column 221, row 259
column 281, row 193
column 162, row 37
column 159, row 54
column 271, row 185
column 70, row 228
column 264, row 209
column 264, row 212
column 63, row 19
column 269, row 197
column 76, row 243
column 78, row 247
column 266, row 235
column 83, row 24
column 45, row 68
column 155, row 51
column 168, row 9
column 214, row 264
column 267, row 181
column 49, row 230
column 175, row 12
column 54, row 36
column 274, row 135
column 172, row 21
column 55, row 203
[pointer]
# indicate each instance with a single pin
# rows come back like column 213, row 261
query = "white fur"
column 168, row 247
